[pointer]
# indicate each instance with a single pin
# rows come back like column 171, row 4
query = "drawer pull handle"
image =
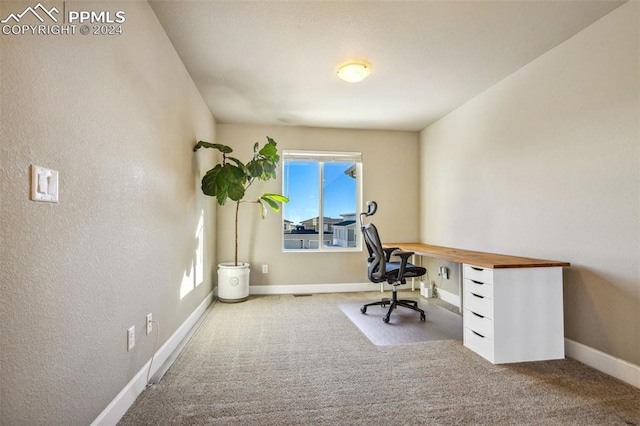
column 478, row 315
column 477, row 282
column 477, row 295
column 477, row 334
column 477, row 269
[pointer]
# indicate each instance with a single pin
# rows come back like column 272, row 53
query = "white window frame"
column 323, row 157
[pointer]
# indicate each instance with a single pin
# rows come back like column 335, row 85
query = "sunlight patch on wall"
column 194, row 275
column 200, row 251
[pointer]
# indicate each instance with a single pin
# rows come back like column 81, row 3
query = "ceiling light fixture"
column 354, row 71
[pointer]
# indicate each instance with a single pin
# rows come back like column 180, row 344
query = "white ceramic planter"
column 233, row 282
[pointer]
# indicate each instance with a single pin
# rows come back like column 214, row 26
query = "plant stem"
column 237, row 210
column 236, row 251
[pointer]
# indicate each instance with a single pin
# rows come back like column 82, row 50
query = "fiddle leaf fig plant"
column 230, row 179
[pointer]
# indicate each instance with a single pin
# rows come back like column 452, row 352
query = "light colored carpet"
column 282, row 360
column 405, row 325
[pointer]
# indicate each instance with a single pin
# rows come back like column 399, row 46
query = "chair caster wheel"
column 385, row 319
column 423, row 318
column 363, row 309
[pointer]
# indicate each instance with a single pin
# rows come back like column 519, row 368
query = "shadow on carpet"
column 405, row 325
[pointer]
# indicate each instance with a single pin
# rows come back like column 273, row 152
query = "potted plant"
column 229, row 180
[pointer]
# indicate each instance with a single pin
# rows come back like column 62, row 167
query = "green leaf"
column 274, row 206
column 255, row 168
column 224, row 182
column 236, row 174
column 209, row 181
column 263, row 209
column 235, row 160
column 275, row 197
column 268, row 171
column 269, row 150
column 222, row 148
column 235, row 191
column 240, row 165
column 215, row 170
column 222, row 198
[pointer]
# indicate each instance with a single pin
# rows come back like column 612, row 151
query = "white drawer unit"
column 481, row 324
column 476, row 273
column 478, row 343
column 479, row 288
column 513, row 314
column 481, row 305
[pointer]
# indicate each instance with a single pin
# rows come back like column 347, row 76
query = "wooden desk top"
column 477, row 258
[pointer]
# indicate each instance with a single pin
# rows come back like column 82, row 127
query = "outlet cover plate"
column 131, row 337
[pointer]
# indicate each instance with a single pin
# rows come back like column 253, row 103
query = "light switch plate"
column 44, row 184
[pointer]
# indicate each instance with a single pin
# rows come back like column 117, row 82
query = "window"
column 324, row 190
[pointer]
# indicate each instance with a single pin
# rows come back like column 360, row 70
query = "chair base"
column 393, row 303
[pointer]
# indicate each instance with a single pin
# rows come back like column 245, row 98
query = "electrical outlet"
column 444, row 272
column 265, row 269
column 131, row 337
column 149, row 324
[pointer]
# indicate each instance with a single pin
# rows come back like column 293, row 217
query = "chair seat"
column 410, row 271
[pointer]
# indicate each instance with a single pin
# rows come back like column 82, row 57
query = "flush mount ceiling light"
column 354, row 71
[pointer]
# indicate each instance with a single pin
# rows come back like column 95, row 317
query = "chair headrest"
column 372, row 207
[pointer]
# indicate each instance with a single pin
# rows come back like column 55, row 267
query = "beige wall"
column 390, row 169
column 547, row 164
column 117, row 117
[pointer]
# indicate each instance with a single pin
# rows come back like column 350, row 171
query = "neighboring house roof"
column 325, row 219
column 345, row 223
column 306, row 231
column 351, row 171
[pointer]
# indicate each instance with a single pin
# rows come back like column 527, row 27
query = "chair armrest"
column 388, row 251
column 404, row 255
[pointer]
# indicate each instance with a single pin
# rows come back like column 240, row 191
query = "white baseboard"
column 121, row 403
column 312, row 288
column 449, row 297
column 616, row 367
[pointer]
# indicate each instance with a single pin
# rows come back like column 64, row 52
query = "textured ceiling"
column 274, row 62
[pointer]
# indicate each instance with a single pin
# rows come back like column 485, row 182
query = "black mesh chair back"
column 376, row 268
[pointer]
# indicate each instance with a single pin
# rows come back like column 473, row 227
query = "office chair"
column 380, row 268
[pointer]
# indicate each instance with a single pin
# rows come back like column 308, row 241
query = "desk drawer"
column 476, row 273
column 478, row 304
column 481, row 345
column 478, row 287
column 478, row 323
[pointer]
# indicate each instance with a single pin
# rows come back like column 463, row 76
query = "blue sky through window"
column 339, row 190
column 303, row 189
